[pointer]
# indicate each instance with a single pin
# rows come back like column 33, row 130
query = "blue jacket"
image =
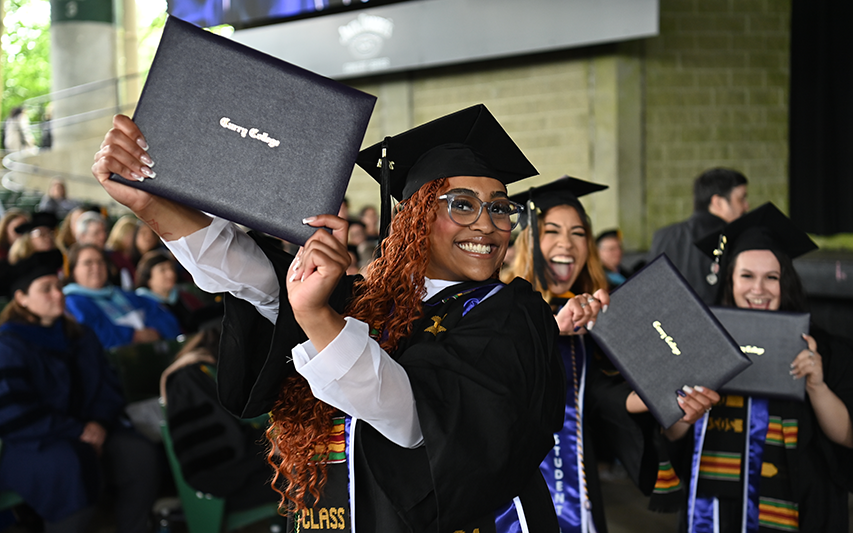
column 87, row 311
column 50, row 387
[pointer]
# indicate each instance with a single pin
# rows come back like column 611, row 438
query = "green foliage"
column 26, row 53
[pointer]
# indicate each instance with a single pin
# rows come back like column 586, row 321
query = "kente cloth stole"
column 742, row 427
column 563, row 467
column 333, row 512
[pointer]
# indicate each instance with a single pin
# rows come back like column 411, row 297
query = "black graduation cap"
column 469, row 142
column 537, row 200
column 563, row 191
column 764, row 228
column 39, row 220
column 21, row 274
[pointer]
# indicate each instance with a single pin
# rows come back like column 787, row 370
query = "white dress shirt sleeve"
column 222, row 258
column 352, row 373
column 355, row 375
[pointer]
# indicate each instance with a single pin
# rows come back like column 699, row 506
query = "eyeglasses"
column 41, row 232
column 465, row 210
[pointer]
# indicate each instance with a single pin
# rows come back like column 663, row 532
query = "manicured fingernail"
column 308, row 220
column 700, row 388
column 577, row 329
column 142, row 144
column 148, row 172
column 292, row 277
column 589, row 325
column 303, row 277
column 604, row 308
column 680, row 400
column 687, row 389
column 792, row 365
column 680, row 393
column 137, row 177
column 147, row 160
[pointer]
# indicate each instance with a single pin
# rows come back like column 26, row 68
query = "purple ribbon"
column 561, row 467
column 702, row 512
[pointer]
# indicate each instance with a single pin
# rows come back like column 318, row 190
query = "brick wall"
column 713, row 92
column 716, row 95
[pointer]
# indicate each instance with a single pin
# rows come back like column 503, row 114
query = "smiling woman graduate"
column 420, row 398
column 555, row 251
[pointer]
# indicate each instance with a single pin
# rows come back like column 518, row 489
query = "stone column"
column 83, row 51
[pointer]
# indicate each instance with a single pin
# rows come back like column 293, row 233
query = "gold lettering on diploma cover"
column 757, row 350
column 323, row 519
column 666, row 338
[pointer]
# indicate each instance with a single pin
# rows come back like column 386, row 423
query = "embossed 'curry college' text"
column 666, row 338
column 253, row 133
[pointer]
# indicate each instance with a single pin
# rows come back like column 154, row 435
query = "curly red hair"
column 389, row 301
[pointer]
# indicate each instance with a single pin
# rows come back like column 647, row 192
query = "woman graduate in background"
column 791, row 466
column 422, row 397
column 557, row 254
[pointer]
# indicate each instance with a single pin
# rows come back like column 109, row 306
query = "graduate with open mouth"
column 556, row 252
column 421, row 397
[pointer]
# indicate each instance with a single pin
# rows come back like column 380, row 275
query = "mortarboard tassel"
column 385, row 194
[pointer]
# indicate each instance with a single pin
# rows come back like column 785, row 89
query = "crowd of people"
column 410, row 377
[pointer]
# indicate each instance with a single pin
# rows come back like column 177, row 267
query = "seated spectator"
column 61, row 419
column 121, row 251
column 56, row 200
column 65, row 234
column 144, row 241
column 91, row 228
column 370, row 218
column 37, row 235
column 230, row 461
column 13, row 218
column 609, row 245
column 118, row 317
column 156, row 278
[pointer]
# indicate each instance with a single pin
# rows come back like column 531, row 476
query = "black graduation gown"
column 820, row 471
column 677, row 242
column 218, row 453
column 489, row 389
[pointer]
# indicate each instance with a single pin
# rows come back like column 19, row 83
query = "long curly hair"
column 388, row 299
column 590, row 279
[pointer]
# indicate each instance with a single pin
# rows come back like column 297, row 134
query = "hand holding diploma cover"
column 245, row 136
column 661, row 337
column 772, row 341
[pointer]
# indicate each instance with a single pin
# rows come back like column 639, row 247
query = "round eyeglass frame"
column 449, row 197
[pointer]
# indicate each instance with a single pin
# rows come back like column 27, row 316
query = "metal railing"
column 16, row 169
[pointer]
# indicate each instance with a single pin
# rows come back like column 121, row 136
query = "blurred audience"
column 369, row 217
column 61, row 422
column 121, row 251
column 37, row 235
column 157, row 279
column 118, row 317
column 609, row 245
column 56, row 200
column 91, row 228
column 13, row 218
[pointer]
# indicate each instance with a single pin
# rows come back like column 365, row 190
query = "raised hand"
column 314, row 274
column 579, row 314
